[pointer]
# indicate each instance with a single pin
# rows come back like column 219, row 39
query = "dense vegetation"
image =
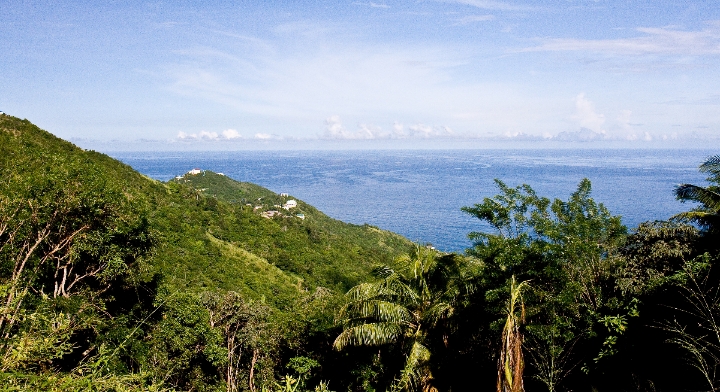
column 110, row 280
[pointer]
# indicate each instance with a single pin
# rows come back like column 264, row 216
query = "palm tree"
column 405, row 306
column 706, row 216
column 510, row 362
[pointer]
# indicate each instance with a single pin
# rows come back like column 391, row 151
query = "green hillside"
column 197, row 219
column 123, row 252
column 321, row 250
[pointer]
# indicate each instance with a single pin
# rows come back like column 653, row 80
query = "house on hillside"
column 284, row 195
column 290, row 204
column 270, row 214
column 194, row 171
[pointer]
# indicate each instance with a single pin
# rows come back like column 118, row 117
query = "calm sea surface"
column 419, row 193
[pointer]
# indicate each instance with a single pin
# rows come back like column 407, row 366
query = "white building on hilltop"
column 290, row 204
column 194, row 171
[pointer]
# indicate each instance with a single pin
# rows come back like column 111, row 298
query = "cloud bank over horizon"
column 589, row 126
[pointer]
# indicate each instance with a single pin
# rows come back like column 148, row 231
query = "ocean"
column 419, row 193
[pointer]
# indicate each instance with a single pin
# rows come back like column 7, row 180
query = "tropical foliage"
column 707, row 215
column 410, row 305
column 111, row 281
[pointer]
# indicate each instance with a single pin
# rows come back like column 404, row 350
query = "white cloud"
column 292, row 85
column 231, row 134
column 586, row 115
column 205, row 135
column 398, row 130
column 369, row 131
column 653, row 41
column 583, row 135
column 426, row 131
column 521, row 136
column 228, row 134
column 378, row 84
column 365, row 84
column 335, row 130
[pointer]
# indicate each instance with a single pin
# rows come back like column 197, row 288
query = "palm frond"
column 371, row 334
column 705, row 196
column 420, row 262
column 702, row 218
column 389, row 288
column 416, row 375
column 363, row 291
column 712, row 166
column 437, row 312
column 376, row 310
column 405, row 303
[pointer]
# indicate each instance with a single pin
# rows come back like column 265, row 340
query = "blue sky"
column 470, row 72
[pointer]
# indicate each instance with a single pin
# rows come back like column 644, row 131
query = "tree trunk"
column 252, row 369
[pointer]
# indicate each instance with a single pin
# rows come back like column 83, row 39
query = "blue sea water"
column 419, row 193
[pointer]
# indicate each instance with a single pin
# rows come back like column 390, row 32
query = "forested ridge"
column 112, row 281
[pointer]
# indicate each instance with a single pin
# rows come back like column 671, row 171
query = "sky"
column 256, row 74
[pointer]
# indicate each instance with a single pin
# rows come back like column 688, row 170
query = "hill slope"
column 207, row 237
column 112, row 279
